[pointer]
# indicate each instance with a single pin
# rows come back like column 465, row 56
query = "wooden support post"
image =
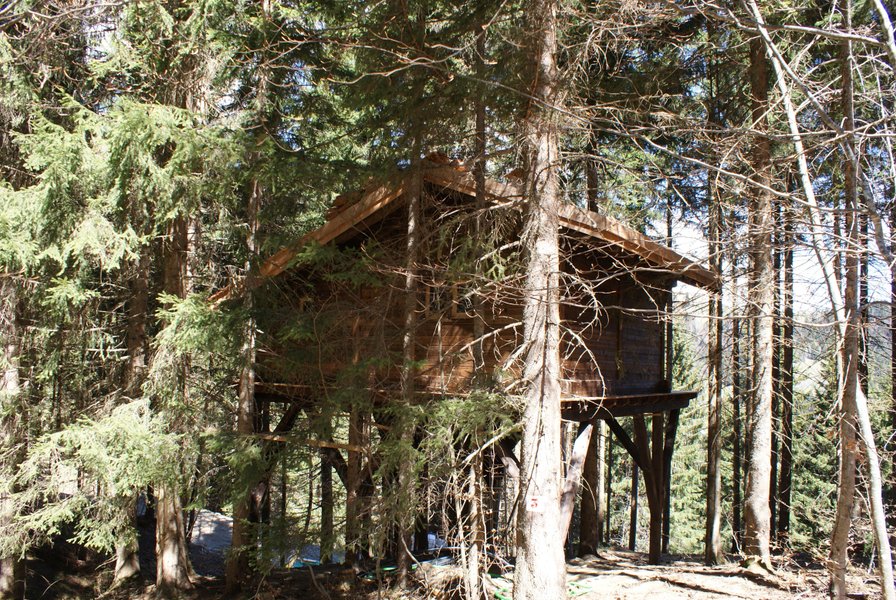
column 592, row 495
column 652, row 477
column 657, row 507
column 668, row 449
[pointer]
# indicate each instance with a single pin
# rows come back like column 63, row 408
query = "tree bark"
column 891, row 488
column 12, row 569
column 846, row 490
column 713, row 553
column 785, row 475
column 757, row 525
column 609, row 496
column 540, row 567
column 327, row 536
column 633, row 509
column 173, row 570
column 405, row 430
column 238, row 564
column 475, row 568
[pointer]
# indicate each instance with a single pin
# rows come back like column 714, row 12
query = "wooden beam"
column 626, row 441
column 657, row 509
column 574, row 476
column 276, row 437
column 610, row 230
column 334, row 458
column 586, row 409
column 642, row 443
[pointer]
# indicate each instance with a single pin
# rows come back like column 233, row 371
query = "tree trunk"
column 786, row 470
column 12, row 569
column 736, row 466
column 609, row 500
column 326, row 509
column 713, row 553
column 633, row 509
column 241, row 540
column 406, row 517
column 891, row 491
column 475, row 567
column 757, row 515
column 173, row 570
column 776, row 369
column 849, row 355
column 540, row 567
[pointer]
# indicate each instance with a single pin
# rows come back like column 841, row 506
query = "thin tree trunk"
column 405, row 518
column 600, row 483
column 736, row 466
column 475, row 566
column 12, row 569
column 891, row 491
column 357, row 438
column 241, row 534
column 713, row 553
column 326, row 509
column 786, row 471
column 540, row 567
column 633, row 509
column 776, row 369
column 848, row 367
column 609, row 496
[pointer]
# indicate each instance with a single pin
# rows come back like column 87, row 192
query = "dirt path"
column 620, row 575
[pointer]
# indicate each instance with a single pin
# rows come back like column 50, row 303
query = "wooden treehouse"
column 340, row 306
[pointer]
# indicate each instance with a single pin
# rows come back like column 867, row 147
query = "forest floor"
column 68, row 573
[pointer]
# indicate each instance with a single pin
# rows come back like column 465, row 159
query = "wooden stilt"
column 668, row 449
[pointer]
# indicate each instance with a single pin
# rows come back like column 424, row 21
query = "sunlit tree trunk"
column 713, row 553
column 849, row 356
column 475, row 567
column 737, row 434
column 540, row 566
column 12, row 569
column 760, row 293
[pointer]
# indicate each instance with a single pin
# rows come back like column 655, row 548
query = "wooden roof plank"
column 589, row 223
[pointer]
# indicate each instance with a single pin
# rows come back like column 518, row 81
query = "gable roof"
column 342, row 219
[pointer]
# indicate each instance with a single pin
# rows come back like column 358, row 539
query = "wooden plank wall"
column 612, row 341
